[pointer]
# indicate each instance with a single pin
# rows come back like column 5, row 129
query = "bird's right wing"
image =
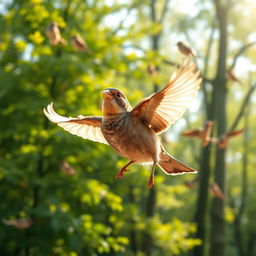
column 162, row 109
column 235, row 133
column 88, row 127
column 192, row 133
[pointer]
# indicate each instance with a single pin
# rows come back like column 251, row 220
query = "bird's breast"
column 131, row 138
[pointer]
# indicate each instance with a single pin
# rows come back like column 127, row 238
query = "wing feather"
column 163, row 108
column 86, row 127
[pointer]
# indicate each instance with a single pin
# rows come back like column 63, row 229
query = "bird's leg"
column 151, row 178
column 120, row 173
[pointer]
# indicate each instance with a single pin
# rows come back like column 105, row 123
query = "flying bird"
column 152, row 70
column 186, row 50
column 79, row 44
column 203, row 134
column 23, row 223
column 216, row 191
column 67, row 169
column 192, row 183
column 133, row 132
column 53, row 33
column 231, row 76
column 223, row 140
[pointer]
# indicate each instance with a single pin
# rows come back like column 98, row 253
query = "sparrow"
column 223, row 140
column 67, row 169
column 191, row 183
column 186, row 50
column 53, row 33
column 216, row 191
column 231, row 76
column 23, row 223
column 133, row 132
column 202, row 134
column 79, row 44
column 151, row 69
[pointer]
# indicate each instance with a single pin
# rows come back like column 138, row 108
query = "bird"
column 203, row 134
column 67, row 169
column 79, row 44
column 186, row 50
column 54, row 35
column 133, row 132
column 22, row 223
column 191, row 184
column 223, row 140
column 216, row 191
column 152, row 70
column 231, row 76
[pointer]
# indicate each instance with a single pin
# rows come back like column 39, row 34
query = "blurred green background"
column 87, row 211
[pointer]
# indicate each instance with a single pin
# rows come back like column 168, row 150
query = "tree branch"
column 206, row 65
column 153, row 10
column 164, row 11
column 242, row 109
column 241, row 51
column 124, row 19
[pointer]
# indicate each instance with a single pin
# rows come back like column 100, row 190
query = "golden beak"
column 107, row 94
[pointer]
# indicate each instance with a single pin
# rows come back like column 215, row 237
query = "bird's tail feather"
column 172, row 166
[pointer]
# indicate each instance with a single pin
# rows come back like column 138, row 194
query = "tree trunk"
column 202, row 201
column 205, row 168
column 217, row 239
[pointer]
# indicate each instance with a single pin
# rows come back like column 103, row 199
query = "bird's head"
column 54, row 24
column 179, row 44
column 114, row 102
column 209, row 124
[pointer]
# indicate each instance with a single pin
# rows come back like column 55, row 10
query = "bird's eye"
column 118, row 94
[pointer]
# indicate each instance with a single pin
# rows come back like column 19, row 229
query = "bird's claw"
column 151, row 182
column 120, row 173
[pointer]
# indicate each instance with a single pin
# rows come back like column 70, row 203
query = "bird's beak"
column 107, row 94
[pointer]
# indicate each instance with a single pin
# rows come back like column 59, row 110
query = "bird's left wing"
column 235, row 133
column 86, row 127
column 192, row 133
column 163, row 108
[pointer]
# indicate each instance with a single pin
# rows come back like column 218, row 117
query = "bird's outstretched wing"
column 162, row 109
column 192, row 133
column 235, row 133
column 86, row 127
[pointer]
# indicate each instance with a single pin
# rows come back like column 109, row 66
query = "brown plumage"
column 216, row 191
column 151, row 69
column 79, row 44
column 23, row 223
column 53, row 33
column 132, row 132
column 223, row 140
column 231, row 76
column 186, row 50
column 191, row 183
column 202, row 134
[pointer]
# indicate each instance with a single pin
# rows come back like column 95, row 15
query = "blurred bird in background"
column 223, row 140
column 216, row 191
column 231, row 76
column 133, row 132
column 191, row 184
column 186, row 50
column 23, row 223
column 67, row 169
column 151, row 69
column 54, row 35
column 202, row 134
column 79, row 44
